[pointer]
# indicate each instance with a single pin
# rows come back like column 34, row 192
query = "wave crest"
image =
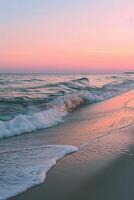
column 58, row 108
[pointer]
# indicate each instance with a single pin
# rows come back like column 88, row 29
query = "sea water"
column 30, row 102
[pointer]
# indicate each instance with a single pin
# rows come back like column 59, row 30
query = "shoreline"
column 90, row 173
column 106, row 177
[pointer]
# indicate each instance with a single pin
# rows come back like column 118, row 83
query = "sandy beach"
column 66, row 100
column 102, row 169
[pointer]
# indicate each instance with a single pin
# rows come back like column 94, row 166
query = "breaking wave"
column 60, row 106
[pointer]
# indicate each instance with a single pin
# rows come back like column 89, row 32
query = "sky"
column 66, row 35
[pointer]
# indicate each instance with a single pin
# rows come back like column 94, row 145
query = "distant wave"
column 61, row 106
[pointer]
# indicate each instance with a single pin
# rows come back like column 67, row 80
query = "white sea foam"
column 24, row 168
column 59, row 108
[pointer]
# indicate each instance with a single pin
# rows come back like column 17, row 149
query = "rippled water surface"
column 29, row 102
column 32, row 103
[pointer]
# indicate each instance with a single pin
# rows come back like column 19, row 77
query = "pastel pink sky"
column 73, row 35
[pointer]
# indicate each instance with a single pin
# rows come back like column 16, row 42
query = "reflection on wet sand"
column 98, row 170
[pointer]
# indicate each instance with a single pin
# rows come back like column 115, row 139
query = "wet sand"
column 102, row 169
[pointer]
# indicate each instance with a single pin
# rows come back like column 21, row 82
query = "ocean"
column 33, row 102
